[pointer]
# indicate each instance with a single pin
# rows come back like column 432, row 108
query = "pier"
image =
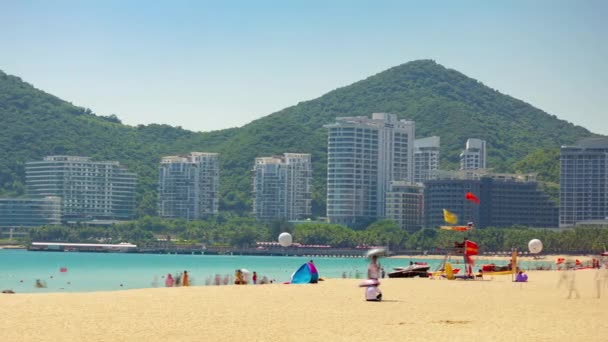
column 201, row 249
column 176, row 248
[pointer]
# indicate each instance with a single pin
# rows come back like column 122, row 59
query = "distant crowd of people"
column 180, row 279
column 240, row 277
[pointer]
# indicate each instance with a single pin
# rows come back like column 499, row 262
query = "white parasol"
column 376, row 252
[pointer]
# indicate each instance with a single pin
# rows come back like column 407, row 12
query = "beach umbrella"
column 376, row 252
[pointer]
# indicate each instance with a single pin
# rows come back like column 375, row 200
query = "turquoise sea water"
column 19, row 269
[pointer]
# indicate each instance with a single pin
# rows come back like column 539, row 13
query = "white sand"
column 335, row 310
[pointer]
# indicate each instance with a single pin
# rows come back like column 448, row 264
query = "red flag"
column 471, row 197
column 470, row 248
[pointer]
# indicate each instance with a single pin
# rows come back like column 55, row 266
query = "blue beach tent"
column 306, row 274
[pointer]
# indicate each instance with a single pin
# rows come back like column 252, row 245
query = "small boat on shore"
column 415, row 270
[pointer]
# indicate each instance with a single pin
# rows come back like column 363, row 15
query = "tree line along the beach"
column 229, row 230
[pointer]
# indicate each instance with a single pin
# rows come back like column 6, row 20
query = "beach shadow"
column 398, row 323
column 450, row 321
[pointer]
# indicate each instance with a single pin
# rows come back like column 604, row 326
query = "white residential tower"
column 189, row 186
column 364, row 156
column 282, row 187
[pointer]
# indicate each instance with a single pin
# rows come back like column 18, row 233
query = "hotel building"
column 426, row 158
column 89, row 190
column 474, row 155
column 584, row 182
column 505, row 200
column 282, row 187
column 364, row 156
column 405, row 205
column 189, row 186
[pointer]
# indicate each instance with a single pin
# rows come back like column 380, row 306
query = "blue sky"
column 207, row 65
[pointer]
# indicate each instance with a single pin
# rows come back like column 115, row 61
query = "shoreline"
column 12, row 247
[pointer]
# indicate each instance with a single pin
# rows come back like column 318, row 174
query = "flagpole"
column 468, row 208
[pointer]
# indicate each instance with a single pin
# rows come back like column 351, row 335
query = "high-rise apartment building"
column 584, row 182
column 405, row 205
column 89, row 190
column 426, row 158
column 282, row 187
column 364, row 156
column 189, row 186
column 474, row 155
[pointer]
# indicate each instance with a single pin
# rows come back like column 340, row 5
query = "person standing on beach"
column 40, row 284
column 569, row 278
column 598, row 281
column 373, row 270
column 186, row 279
column 255, row 278
column 155, row 281
column 239, row 277
column 169, row 281
column 315, row 273
column 373, row 293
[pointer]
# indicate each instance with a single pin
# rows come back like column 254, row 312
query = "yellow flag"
column 450, row 217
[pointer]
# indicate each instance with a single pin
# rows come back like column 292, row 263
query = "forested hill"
column 35, row 124
column 442, row 101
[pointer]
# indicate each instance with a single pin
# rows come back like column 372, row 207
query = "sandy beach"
column 418, row 309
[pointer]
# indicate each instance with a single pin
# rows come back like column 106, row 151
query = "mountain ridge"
column 441, row 101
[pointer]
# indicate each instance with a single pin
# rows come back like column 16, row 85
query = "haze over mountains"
column 441, row 101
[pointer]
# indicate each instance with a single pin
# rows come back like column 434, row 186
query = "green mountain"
column 442, row 101
column 35, row 124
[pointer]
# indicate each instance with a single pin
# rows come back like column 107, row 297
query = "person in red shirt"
column 255, row 278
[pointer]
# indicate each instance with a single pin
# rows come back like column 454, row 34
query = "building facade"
column 405, row 205
column 505, row 200
column 426, row 158
column 584, row 182
column 282, row 187
column 19, row 214
column 510, row 201
column 189, row 186
column 449, row 194
column 89, row 190
column 364, row 156
column 474, row 155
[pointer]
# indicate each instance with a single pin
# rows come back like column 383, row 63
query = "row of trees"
column 236, row 231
